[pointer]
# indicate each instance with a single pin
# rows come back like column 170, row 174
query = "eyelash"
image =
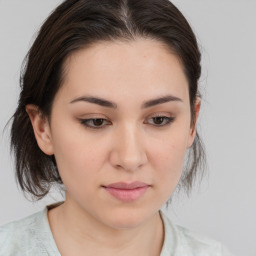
column 168, row 121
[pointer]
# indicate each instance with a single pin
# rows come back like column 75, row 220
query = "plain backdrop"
column 224, row 207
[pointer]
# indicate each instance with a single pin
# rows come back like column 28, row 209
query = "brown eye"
column 98, row 122
column 95, row 123
column 161, row 120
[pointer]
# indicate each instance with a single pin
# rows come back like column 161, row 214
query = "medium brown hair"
column 77, row 24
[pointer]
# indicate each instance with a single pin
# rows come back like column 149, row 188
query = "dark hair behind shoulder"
column 77, row 24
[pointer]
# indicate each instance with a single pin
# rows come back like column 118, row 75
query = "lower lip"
column 127, row 195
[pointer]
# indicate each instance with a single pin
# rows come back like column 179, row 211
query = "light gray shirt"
column 32, row 236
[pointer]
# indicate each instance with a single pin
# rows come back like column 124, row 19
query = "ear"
column 192, row 133
column 41, row 129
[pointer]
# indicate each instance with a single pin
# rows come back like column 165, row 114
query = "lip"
column 127, row 192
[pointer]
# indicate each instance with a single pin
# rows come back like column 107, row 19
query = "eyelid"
column 160, row 114
column 168, row 119
column 84, row 122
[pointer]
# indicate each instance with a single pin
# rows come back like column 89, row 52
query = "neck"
column 78, row 233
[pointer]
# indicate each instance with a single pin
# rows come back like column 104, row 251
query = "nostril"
column 128, row 152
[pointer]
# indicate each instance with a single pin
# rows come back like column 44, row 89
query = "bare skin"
column 144, row 240
column 130, row 137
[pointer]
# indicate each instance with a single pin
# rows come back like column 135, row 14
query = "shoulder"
column 186, row 242
column 23, row 236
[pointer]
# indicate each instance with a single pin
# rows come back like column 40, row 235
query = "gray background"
column 224, row 207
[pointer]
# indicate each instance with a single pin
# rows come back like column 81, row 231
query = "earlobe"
column 193, row 126
column 41, row 129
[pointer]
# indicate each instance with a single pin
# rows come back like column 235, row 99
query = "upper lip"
column 125, row 185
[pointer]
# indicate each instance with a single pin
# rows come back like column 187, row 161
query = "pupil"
column 158, row 120
column 98, row 122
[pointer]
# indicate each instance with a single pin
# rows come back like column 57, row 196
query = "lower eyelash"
column 168, row 122
column 85, row 122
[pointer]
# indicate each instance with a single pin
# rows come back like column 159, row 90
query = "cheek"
column 76, row 156
column 168, row 159
column 78, row 168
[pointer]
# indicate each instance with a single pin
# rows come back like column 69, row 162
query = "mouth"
column 127, row 192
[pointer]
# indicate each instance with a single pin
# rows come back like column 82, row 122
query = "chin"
column 126, row 219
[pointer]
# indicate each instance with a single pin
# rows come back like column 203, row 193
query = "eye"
column 161, row 120
column 95, row 123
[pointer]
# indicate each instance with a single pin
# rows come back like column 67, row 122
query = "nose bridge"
column 129, row 152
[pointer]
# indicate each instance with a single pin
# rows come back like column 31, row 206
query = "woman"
column 108, row 110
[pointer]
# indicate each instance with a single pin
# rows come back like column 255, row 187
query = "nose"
column 129, row 152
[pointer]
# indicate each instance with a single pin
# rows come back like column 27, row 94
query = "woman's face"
column 119, row 130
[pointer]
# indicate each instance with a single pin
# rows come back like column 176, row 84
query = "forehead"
column 114, row 69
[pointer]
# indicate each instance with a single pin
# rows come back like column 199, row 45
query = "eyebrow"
column 109, row 104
